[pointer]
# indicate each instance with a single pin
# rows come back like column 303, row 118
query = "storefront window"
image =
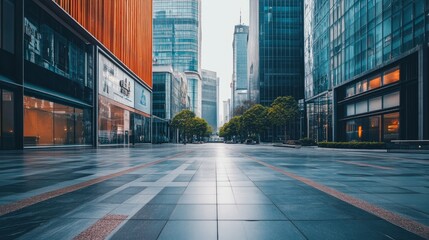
column 64, row 123
column 374, row 133
column 391, row 77
column 48, row 123
column 351, row 130
column 391, row 127
column 112, row 124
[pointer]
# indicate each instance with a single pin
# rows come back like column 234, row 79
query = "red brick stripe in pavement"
column 12, row 207
column 402, row 222
column 102, row 228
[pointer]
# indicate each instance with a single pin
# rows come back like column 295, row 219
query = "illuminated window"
column 391, row 77
column 375, row 83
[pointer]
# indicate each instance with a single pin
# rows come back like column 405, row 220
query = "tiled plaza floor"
column 213, row 191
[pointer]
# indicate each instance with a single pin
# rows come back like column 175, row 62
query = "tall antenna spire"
column 240, row 16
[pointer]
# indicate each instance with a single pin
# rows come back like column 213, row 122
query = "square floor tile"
column 194, row 212
column 189, row 230
column 256, row 230
column 197, row 199
column 250, row 212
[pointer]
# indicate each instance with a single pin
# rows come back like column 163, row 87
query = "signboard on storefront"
column 114, row 83
column 142, row 99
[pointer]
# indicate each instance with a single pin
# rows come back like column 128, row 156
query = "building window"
column 351, row 110
column 8, row 25
column 391, row 126
column 350, row 91
column 375, row 104
column 361, row 107
column 374, row 83
column 361, row 86
column 391, row 100
column 391, row 77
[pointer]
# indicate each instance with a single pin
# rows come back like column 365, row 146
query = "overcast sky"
column 218, row 20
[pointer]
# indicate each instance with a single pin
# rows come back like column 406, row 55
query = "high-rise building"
column 170, row 95
column 275, row 50
column 365, row 72
column 177, row 42
column 226, row 111
column 240, row 79
column 170, row 92
column 210, row 96
column 74, row 72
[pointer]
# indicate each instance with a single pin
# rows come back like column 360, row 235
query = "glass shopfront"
column 48, row 123
column 118, row 125
column 373, row 129
column 122, row 104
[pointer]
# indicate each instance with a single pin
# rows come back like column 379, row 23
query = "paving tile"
column 139, row 229
column 256, row 230
column 197, row 199
column 194, row 212
column 250, row 212
column 352, row 229
column 189, row 230
column 154, row 212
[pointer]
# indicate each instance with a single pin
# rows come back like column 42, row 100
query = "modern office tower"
column 57, row 77
column 365, row 72
column 240, row 80
column 275, row 50
column 170, row 95
column 170, row 92
column 177, row 42
column 226, row 111
column 210, row 96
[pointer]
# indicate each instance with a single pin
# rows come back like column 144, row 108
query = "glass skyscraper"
column 275, row 57
column 210, row 98
column 364, row 69
column 177, row 41
column 240, row 79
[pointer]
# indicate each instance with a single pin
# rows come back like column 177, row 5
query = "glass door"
column 7, row 120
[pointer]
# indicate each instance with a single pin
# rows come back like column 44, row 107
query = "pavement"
column 213, row 191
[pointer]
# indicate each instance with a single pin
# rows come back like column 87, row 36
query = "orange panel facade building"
column 124, row 27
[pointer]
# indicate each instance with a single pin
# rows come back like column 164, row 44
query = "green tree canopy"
column 282, row 111
column 181, row 120
column 254, row 120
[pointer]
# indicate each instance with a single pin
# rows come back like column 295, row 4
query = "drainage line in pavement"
column 402, row 222
column 12, row 207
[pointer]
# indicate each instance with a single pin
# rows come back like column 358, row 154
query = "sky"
column 218, row 19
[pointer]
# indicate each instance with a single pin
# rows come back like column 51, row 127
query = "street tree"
column 182, row 121
column 254, row 121
column 282, row 111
